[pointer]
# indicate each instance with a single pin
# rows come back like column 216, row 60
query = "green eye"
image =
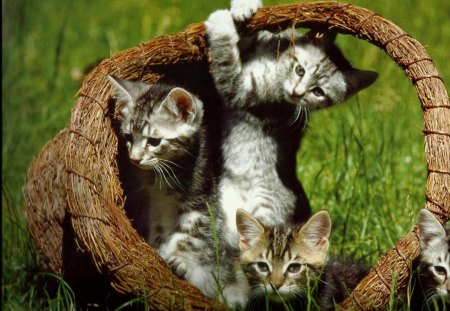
column 294, row 267
column 262, row 267
column 318, row 92
column 153, row 141
column 300, row 71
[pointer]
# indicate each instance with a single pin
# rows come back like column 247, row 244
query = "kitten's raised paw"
column 243, row 10
column 220, row 24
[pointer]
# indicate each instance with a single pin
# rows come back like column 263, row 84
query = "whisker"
column 160, row 174
column 171, row 174
column 295, row 117
column 163, row 171
column 171, row 162
column 187, row 151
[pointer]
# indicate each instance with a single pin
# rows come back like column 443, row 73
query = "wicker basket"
column 74, row 197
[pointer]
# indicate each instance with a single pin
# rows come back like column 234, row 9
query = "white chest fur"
column 251, row 181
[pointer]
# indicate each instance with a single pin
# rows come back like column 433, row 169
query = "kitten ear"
column 430, row 229
column 127, row 91
column 358, row 79
column 321, row 37
column 316, row 231
column 249, row 229
column 181, row 103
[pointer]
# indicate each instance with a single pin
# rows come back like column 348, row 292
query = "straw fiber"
column 74, row 185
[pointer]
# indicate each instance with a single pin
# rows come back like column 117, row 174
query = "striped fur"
column 288, row 264
column 269, row 83
column 160, row 126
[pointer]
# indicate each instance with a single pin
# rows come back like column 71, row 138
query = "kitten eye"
column 294, row 267
column 153, row 141
column 299, row 70
column 318, row 92
column 440, row 270
column 262, row 267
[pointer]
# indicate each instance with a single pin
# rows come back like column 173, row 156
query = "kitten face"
column 282, row 262
column 435, row 255
column 159, row 121
column 313, row 79
column 308, row 81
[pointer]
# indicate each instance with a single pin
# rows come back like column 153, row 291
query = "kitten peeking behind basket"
column 431, row 290
column 160, row 125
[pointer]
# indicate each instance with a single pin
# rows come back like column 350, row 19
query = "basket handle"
column 190, row 46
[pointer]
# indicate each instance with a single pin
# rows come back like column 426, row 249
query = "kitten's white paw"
column 202, row 277
column 243, row 10
column 178, row 265
column 236, row 295
column 220, row 24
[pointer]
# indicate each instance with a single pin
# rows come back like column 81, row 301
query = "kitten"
column 286, row 264
column 160, row 124
column 267, row 91
column 432, row 287
column 258, row 150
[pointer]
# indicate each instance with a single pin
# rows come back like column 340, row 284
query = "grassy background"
column 363, row 160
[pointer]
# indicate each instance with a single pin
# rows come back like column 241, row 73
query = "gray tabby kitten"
column 287, row 264
column 432, row 286
column 260, row 138
column 160, row 124
column 267, row 91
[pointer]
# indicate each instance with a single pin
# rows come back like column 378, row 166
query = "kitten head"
column 159, row 121
column 282, row 262
column 318, row 75
column 434, row 264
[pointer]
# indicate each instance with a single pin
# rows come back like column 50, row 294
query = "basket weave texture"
column 74, row 181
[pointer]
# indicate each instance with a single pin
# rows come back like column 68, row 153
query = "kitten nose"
column 277, row 282
column 135, row 157
column 296, row 94
column 135, row 160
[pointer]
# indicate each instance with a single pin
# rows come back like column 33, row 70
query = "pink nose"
column 135, row 160
column 295, row 94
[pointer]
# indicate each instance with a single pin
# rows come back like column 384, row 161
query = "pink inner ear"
column 322, row 244
column 243, row 243
column 184, row 105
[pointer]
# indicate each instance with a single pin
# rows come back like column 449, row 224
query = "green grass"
column 363, row 161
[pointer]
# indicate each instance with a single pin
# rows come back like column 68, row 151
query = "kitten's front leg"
column 226, row 67
column 190, row 254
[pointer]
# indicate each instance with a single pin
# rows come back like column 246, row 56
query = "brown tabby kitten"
column 285, row 266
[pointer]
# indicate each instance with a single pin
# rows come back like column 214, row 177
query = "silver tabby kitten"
column 433, row 286
column 160, row 124
column 261, row 133
column 287, row 264
column 266, row 82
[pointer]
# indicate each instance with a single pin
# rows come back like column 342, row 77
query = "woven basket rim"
column 97, row 215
